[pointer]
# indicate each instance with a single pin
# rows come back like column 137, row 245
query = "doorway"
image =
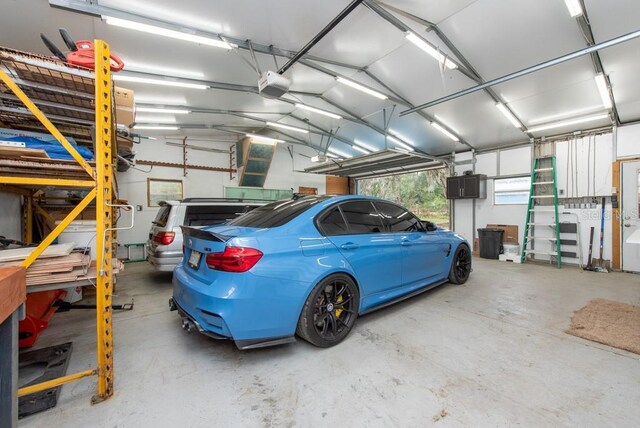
column 630, row 215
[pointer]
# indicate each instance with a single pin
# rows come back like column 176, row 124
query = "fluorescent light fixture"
column 445, row 131
column 157, row 128
column 505, row 111
column 574, row 6
column 601, row 83
column 569, row 122
column 261, row 139
column 290, row 128
column 149, row 68
column 430, row 49
column 361, row 150
column 165, row 32
column 161, row 82
column 361, row 88
column 566, row 114
column 160, row 120
column 339, row 153
column 162, row 110
column 400, row 143
column 445, row 123
column 330, row 155
column 317, row 110
column 365, row 146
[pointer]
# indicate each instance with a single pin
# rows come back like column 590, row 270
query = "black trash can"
column 490, row 242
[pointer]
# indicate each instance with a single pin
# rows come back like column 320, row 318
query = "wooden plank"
column 615, row 217
column 18, row 152
column 12, row 290
column 337, row 185
column 23, row 253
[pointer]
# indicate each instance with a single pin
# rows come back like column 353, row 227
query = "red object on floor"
column 39, row 310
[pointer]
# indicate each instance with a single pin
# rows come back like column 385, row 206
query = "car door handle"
column 349, row 246
column 405, row 242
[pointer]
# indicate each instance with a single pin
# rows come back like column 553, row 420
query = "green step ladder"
column 543, row 201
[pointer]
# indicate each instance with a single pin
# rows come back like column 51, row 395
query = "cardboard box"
column 125, row 106
column 510, row 235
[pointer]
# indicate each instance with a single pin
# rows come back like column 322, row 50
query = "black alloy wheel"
column 460, row 265
column 330, row 311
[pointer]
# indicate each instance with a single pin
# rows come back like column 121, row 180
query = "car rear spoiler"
column 193, row 232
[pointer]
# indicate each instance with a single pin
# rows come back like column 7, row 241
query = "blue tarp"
column 53, row 148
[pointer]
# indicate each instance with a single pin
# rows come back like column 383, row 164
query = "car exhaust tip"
column 172, row 305
column 187, row 325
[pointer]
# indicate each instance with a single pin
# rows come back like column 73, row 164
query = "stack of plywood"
column 70, row 267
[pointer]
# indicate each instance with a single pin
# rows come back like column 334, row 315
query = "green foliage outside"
column 422, row 192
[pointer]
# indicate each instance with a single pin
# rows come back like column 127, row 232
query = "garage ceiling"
column 492, row 37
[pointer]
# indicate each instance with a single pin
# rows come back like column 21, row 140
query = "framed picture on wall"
column 162, row 189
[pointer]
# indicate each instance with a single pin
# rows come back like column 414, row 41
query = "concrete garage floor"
column 489, row 353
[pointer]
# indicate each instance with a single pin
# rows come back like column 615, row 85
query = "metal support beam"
column 330, row 26
column 104, row 221
column 587, row 33
column 467, row 69
column 526, row 71
column 92, row 8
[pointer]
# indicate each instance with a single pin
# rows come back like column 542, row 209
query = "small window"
column 511, row 191
column 362, row 217
column 333, row 223
column 209, row 215
column 398, row 219
column 163, row 216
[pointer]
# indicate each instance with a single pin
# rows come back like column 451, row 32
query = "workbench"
column 13, row 293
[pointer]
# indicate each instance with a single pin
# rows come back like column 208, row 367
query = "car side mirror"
column 429, row 226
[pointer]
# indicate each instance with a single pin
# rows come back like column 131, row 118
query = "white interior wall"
column 10, row 217
column 517, row 161
column 285, row 173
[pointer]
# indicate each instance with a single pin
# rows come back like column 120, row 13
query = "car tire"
column 330, row 311
column 460, row 265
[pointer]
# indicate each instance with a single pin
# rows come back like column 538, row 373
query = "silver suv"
column 164, row 247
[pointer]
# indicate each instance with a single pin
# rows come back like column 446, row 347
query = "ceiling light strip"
column 165, row 32
column 290, row 128
column 319, row 111
column 506, row 113
column 445, row 131
column 569, row 122
column 400, row 143
column 430, row 49
column 156, row 127
column 161, row 82
column 361, row 88
column 575, row 8
column 603, row 89
column 162, row 110
column 261, row 139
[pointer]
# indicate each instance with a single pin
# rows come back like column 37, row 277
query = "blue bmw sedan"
column 309, row 267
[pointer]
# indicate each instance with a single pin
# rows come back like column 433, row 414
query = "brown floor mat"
column 612, row 323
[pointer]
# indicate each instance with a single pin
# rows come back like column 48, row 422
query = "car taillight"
column 234, row 259
column 164, row 238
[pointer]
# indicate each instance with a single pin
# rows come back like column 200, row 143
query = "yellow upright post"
column 104, row 221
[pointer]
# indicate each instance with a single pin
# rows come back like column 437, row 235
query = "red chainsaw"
column 81, row 52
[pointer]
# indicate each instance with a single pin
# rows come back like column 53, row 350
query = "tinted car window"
column 362, row 217
column 202, row 215
column 162, row 216
column 398, row 218
column 277, row 213
column 332, row 223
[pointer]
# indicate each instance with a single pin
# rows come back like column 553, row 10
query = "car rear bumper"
column 164, row 261
column 253, row 311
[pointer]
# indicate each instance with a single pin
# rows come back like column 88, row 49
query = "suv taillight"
column 234, row 259
column 164, row 238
